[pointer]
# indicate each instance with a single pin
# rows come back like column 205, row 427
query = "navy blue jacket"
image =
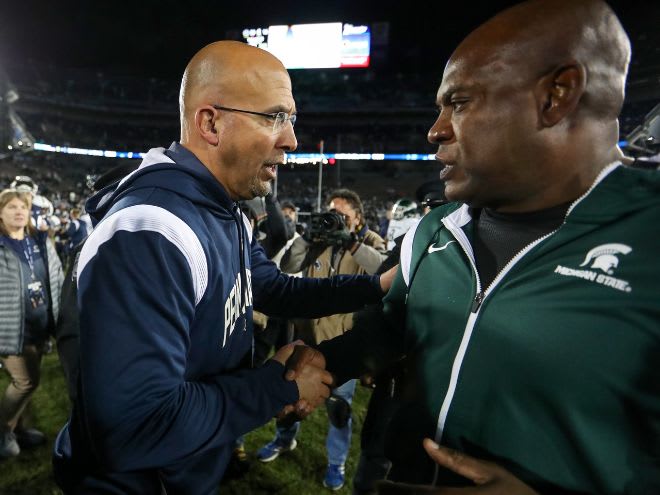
column 167, row 282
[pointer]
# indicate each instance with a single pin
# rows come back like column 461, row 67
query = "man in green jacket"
column 529, row 309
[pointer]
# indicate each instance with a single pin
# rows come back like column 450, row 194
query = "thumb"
column 297, row 360
column 480, row 472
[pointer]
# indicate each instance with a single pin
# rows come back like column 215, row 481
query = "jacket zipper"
column 238, row 219
column 480, row 296
column 477, row 302
column 462, row 240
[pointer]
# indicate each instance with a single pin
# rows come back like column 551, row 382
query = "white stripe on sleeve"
column 406, row 252
column 154, row 219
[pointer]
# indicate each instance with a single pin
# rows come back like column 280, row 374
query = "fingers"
column 480, row 472
column 313, row 386
column 284, row 353
column 288, row 409
column 302, row 356
column 327, row 378
column 303, row 409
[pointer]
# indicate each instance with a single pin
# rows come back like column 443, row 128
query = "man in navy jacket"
column 167, row 283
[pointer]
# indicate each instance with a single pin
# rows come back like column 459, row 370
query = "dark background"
column 157, row 38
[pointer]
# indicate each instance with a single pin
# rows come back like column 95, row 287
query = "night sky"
column 157, row 38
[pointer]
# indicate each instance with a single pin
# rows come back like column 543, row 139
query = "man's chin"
column 261, row 189
column 454, row 192
column 457, row 194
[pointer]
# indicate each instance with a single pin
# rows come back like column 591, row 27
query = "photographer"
column 332, row 235
column 337, row 242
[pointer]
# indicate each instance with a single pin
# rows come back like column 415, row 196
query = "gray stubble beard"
column 259, row 188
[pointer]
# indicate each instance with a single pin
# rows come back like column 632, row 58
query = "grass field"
column 297, row 472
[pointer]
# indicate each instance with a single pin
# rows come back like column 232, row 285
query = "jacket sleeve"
column 278, row 294
column 368, row 257
column 137, row 304
column 299, row 256
column 275, row 227
column 55, row 278
column 375, row 341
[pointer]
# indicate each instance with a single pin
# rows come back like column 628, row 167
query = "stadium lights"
column 291, row 158
column 294, row 158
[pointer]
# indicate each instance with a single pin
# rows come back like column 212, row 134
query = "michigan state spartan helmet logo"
column 604, row 257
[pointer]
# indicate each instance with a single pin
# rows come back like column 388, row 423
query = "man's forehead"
column 267, row 87
column 342, row 204
column 458, row 73
column 473, row 67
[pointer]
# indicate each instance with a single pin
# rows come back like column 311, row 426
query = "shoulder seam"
column 139, row 218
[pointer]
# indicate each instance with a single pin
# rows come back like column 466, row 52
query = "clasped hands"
column 305, row 366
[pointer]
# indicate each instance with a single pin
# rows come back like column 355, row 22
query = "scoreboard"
column 314, row 46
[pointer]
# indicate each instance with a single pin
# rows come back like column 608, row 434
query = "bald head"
column 237, row 115
column 221, row 72
column 540, row 36
column 545, row 79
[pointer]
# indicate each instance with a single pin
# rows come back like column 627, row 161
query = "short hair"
column 288, row 204
column 10, row 194
column 351, row 197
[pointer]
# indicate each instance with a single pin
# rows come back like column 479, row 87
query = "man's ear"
column 205, row 125
column 558, row 93
column 358, row 220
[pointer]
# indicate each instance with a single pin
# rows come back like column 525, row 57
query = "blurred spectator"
column 31, row 280
column 405, row 213
column 76, row 230
column 42, row 208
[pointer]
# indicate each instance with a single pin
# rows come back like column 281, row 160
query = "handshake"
column 305, row 366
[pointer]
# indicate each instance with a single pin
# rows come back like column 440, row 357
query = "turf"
column 300, row 471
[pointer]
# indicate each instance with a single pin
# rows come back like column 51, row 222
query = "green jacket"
column 552, row 371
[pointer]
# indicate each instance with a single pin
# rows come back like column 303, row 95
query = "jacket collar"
column 462, row 215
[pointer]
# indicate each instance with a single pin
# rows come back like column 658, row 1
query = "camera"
column 327, row 228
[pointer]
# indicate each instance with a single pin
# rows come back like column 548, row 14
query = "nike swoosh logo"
column 433, row 249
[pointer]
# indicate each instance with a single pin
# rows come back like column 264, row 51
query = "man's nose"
column 441, row 131
column 287, row 138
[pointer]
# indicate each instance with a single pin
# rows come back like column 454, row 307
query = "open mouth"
column 271, row 169
column 445, row 173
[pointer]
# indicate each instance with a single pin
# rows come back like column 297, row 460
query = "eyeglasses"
column 279, row 118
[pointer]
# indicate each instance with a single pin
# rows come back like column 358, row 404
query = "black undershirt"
column 499, row 237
